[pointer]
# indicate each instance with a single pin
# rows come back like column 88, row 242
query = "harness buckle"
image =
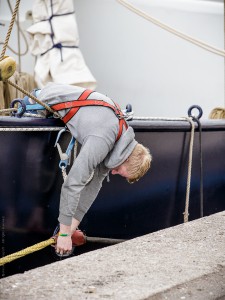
column 128, row 112
column 65, row 157
column 120, row 116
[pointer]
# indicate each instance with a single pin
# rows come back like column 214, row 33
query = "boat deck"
column 182, row 262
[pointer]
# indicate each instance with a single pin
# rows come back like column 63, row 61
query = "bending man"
column 108, row 144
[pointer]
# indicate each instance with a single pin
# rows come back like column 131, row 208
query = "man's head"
column 136, row 165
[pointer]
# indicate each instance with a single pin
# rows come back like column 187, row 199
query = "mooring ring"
column 199, row 110
column 22, row 107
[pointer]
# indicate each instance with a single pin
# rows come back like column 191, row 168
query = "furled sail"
column 55, row 42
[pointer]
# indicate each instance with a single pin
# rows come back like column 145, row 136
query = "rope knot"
column 58, row 46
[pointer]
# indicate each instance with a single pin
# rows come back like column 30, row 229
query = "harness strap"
column 122, row 123
column 74, row 110
column 82, row 101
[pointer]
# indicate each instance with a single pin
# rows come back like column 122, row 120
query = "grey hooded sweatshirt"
column 96, row 129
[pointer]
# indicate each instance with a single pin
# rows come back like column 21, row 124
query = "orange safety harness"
column 75, row 105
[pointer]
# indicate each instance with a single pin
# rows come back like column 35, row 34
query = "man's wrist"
column 64, row 234
column 64, row 230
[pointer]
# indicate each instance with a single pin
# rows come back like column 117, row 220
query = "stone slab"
column 182, row 262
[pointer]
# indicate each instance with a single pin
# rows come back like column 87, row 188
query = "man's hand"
column 64, row 244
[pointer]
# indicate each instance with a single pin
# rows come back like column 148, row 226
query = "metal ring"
column 62, row 164
column 129, row 108
column 23, row 107
column 195, row 107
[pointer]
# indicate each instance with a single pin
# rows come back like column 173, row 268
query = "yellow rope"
column 6, row 259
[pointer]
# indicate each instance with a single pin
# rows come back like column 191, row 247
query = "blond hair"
column 138, row 163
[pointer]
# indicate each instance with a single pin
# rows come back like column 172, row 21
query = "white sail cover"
column 55, row 42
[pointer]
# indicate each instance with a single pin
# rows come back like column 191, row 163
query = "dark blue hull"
column 31, row 183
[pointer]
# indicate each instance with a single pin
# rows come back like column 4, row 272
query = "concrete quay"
column 182, row 262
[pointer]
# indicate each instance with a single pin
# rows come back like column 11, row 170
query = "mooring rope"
column 39, row 246
column 188, row 186
column 6, row 259
column 186, row 211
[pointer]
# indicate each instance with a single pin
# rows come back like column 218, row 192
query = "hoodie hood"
column 122, row 149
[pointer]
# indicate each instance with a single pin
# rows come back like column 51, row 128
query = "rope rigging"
column 2, row 56
column 19, row 32
column 172, row 30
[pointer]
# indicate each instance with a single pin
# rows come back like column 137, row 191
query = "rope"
column 2, row 57
column 18, row 40
column 186, row 211
column 11, row 257
column 6, row 259
column 48, row 108
column 33, row 115
column 13, row 51
column 7, row 110
column 187, row 198
column 9, row 29
column 64, row 175
column 160, row 118
column 106, row 241
column 180, row 34
column 22, row 33
column 31, row 129
column 75, row 150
